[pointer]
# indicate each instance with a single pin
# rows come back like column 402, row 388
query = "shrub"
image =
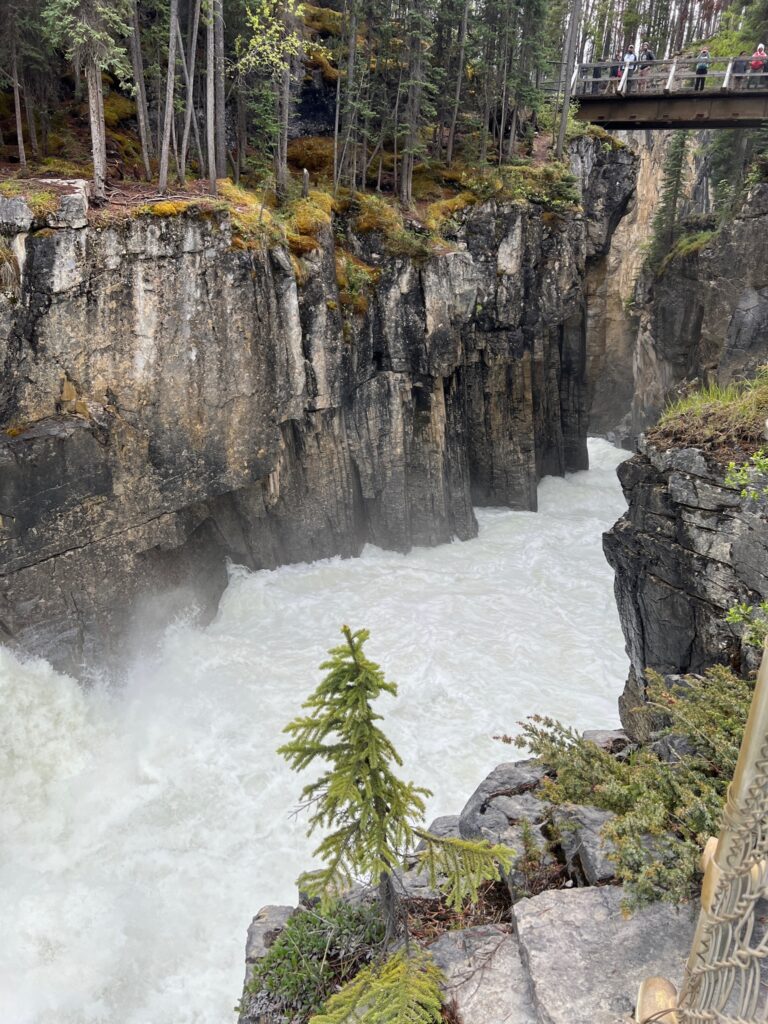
column 755, row 618
column 665, row 812
column 750, row 477
column 376, row 214
column 315, row 954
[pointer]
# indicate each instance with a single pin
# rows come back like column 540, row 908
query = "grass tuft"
column 727, row 421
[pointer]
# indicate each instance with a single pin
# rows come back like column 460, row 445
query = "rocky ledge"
column 687, row 549
column 169, row 399
column 567, row 955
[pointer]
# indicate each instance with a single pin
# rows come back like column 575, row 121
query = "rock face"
column 169, row 399
column 686, row 550
column 585, row 960
column 705, row 316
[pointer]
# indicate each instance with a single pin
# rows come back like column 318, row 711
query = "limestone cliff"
column 685, row 551
column 169, row 399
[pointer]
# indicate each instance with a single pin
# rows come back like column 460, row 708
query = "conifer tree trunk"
column 98, row 134
column 169, row 92
column 17, row 108
column 283, row 98
column 210, row 103
column 459, row 78
column 30, row 111
column 221, row 111
column 188, row 66
column 142, row 113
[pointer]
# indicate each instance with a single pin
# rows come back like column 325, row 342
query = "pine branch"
column 458, row 867
column 405, row 989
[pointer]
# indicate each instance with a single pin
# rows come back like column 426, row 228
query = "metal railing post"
column 624, row 79
column 727, row 80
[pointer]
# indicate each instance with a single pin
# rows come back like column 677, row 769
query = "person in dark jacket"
column 647, row 57
column 739, row 70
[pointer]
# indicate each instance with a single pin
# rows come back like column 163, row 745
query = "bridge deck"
column 673, row 93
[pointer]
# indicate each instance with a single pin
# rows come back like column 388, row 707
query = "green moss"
column 117, row 109
column 40, row 201
column 438, row 213
column 323, row 20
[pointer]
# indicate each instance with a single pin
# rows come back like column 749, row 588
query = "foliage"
column 664, row 811
column 666, row 218
column 750, row 477
column 717, row 418
column 374, row 820
column 405, row 989
column 10, row 277
column 687, row 245
column 754, row 617
column 90, row 30
column 313, row 955
column 272, row 41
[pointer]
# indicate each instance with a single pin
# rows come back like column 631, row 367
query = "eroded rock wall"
column 686, row 550
column 169, row 400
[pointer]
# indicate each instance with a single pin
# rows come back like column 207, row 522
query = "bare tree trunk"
column 98, row 140
column 17, row 108
column 221, row 104
column 242, row 129
column 142, row 114
column 30, row 111
column 281, row 152
column 210, row 105
column 459, row 77
column 188, row 66
column 170, row 83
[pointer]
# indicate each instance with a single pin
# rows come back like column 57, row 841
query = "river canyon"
column 197, row 441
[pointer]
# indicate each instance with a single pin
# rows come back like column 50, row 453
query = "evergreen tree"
column 374, row 819
column 91, row 34
column 666, row 220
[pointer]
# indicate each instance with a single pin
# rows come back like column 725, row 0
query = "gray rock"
column 504, row 797
column 586, row 960
column 612, row 740
column 233, row 410
column 263, row 930
column 578, row 830
column 684, row 552
column 485, row 980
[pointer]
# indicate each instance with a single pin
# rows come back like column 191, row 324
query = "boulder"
column 586, row 852
column 262, row 932
column 485, row 980
column 612, row 740
column 585, row 959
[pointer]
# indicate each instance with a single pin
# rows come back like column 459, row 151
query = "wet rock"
column 578, row 831
column 686, row 550
column 586, row 960
column 226, row 409
column 485, row 980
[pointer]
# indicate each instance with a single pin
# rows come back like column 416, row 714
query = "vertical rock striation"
column 169, row 399
column 685, row 551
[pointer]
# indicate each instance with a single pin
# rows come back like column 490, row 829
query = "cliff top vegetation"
column 727, row 421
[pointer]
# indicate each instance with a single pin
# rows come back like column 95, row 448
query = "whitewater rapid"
column 142, row 825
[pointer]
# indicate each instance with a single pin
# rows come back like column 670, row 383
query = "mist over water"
column 142, row 825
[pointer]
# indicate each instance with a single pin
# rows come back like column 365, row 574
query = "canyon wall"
column 169, row 399
column 686, row 550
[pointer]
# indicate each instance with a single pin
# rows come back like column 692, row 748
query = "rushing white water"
column 142, row 826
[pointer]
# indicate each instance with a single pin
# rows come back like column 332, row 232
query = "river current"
column 142, row 824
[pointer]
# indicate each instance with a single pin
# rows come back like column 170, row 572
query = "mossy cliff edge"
column 170, row 397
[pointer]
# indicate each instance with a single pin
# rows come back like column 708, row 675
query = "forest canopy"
column 360, row 92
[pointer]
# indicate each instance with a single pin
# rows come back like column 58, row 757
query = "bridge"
column 672, row 94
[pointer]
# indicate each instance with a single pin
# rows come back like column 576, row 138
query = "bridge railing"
column 661, row 77
column 725, row 980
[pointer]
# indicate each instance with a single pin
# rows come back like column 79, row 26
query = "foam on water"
column 142, row 826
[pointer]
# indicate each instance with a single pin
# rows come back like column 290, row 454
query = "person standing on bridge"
column 630, row 63
column 739, row 71
column 757, row 68
column 702, row 66
column 647, row 57
column 615, row 73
